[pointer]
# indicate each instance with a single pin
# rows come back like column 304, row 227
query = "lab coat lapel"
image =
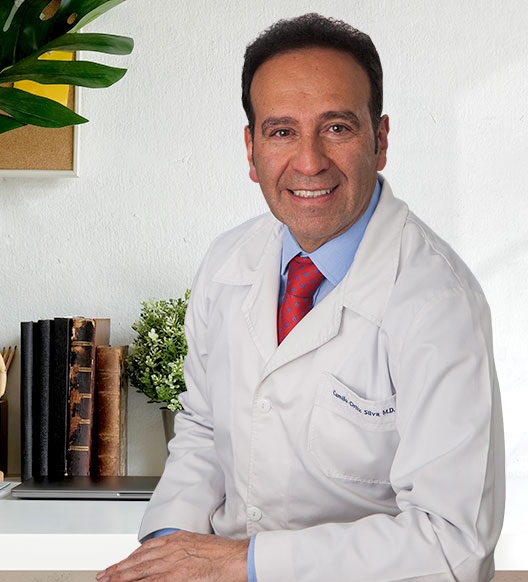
column 316, row 328
column 260, row 307
column 256, row 263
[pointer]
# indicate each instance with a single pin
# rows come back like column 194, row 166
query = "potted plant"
column 155, row 361
column 31, row 28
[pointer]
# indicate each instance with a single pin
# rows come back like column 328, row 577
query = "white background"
column 163, row 171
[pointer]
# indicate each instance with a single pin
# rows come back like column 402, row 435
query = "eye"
column 338, row 128
column 281, row 133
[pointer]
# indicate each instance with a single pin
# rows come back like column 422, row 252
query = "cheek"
column 270, row 166
column 360, row 169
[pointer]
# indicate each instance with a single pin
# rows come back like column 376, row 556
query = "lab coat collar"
column 369, row 281
column 365, row 289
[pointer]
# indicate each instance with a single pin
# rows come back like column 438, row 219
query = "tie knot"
column 303, row 277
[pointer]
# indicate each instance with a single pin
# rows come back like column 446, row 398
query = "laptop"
column 126, row 488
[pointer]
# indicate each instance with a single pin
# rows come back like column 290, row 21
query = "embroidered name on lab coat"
column 360, row 410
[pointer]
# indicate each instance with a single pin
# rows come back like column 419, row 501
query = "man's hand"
column 183, row 557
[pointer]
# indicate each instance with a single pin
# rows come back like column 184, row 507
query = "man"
column 358, row 439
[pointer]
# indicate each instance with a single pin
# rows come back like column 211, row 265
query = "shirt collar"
column 335, row 257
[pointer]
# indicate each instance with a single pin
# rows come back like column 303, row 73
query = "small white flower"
column 153, row 335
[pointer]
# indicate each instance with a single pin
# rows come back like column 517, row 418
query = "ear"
column 383, row 142
column 249, row 148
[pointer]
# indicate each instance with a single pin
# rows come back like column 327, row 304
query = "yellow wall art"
column 58, row 93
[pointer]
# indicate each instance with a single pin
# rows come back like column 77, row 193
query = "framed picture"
column 37, row 152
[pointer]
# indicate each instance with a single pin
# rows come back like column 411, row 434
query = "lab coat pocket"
column 350, row 437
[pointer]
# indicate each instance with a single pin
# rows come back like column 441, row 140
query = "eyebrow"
column 346, row 114
column 276, row 121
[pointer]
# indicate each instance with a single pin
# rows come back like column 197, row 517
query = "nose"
column 309, row 157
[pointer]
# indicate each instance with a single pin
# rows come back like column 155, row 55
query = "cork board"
column 32, row 148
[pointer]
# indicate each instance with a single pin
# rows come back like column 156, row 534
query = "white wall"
column 163, row 171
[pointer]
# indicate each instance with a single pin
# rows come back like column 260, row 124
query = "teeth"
column 311, row 193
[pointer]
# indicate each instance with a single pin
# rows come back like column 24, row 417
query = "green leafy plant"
column 155, row 363
column 30, row 28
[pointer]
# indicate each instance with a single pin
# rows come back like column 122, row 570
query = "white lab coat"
column 368, row 446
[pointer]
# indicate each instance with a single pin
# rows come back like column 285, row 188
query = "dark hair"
column 314, row 30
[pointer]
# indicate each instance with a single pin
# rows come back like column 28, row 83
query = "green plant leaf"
column 28, row 28
column 101, row 43
column 19, row 35
column 83, row 73
column 28, row 32
column 88, row 10
column 155, row 361
column 8, row 123
column 35, row 110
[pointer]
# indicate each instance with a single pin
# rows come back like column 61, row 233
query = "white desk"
column 91, row 535
column 66, row 535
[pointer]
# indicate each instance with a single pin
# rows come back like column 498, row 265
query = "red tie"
column 303, row 280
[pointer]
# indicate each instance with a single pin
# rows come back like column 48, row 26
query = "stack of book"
column 73, row 399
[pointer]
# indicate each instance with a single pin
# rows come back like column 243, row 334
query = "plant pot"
column 168, row 423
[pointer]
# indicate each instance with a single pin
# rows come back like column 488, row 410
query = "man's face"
column 313, row 150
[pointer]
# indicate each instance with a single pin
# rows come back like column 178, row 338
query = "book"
column 58, row 396
column 26, row 399
column 86, row 335
column 41, row 381
column 110, row 426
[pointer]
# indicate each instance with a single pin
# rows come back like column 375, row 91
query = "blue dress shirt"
column 333, row 259
column 166, row 531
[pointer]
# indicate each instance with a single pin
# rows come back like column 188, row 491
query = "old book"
column 110, row 432
column 26, row 398
column 58, row 399
column 86, row 335
column 41, row 381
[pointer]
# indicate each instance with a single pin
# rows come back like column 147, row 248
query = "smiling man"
column 342, row 421
column 313, row 147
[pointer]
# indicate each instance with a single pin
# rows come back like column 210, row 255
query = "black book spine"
column 26, row 399
column 41, row 400
column 58, row 405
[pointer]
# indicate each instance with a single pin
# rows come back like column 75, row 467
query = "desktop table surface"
column 87, row 536
column 66, row 534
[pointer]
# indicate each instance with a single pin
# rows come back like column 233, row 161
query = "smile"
column 312, row 193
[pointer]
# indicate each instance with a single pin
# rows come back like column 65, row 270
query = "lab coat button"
column 264, row 405
column 254, row 513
